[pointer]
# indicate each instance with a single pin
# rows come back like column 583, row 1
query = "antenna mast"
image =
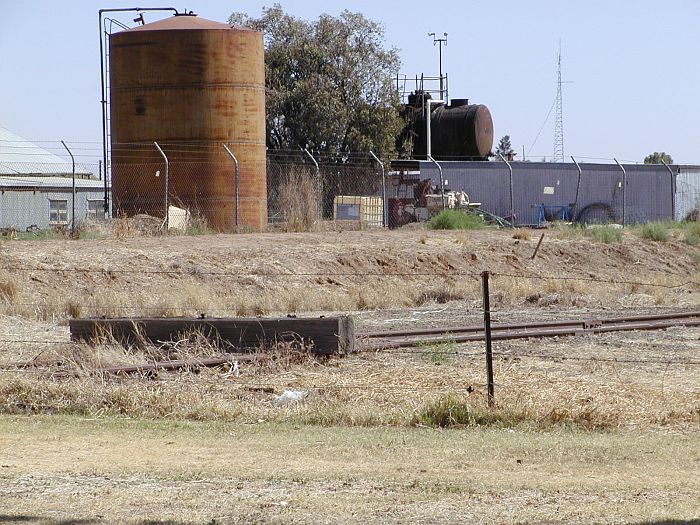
column 440, row 42
column 559, row 117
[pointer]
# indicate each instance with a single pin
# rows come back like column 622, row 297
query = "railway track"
column 385, row 340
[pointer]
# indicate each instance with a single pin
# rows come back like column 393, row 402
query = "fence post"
column 510, row 181
column 318, row 183
column 673, row 193
column 166, row 221
column 578, row 187
column 442, row 179
column 385, row 221
column 487, row 336
column 624, row 190
column 235, row 184
column 72, row 220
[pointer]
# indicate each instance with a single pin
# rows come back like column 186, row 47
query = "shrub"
column 604, row 234
column 691, row 233
column 455, row 220
column 654, row 231
column 521, row 234
column 454, row 410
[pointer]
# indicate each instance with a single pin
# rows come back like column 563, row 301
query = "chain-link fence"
column 242, row 187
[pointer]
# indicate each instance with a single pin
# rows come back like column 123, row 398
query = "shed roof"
column 19, row 156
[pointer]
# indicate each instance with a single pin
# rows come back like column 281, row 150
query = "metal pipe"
column 385, row 211
column 72, row 221
column 166, row 221
column 442, row 180
column 624, row 190
column 103, row 101
column 428, row 135
column 510, row 177
column 578, row 183
column 235, row 184
column 673, row 193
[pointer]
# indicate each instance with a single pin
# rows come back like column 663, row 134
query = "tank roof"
column 180, row 22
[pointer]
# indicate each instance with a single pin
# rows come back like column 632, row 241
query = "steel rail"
column 526, row 330
column 584, row 323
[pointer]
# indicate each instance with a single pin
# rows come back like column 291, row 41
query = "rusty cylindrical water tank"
column 460, row 131
column 189, row 84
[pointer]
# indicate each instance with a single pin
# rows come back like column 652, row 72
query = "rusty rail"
column 461, row 334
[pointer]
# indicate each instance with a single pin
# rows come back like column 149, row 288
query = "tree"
column 504, row 148
column 658, row 158
column 329, row 83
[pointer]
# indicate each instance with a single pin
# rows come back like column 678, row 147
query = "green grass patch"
column 691, row 233
column 456, row 220
column 604, row 234
column 438, row 353
column 655, row 231
column 454, row 410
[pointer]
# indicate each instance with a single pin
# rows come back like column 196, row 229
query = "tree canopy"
column 329, row 82
column 658, row 158
column 504, row 147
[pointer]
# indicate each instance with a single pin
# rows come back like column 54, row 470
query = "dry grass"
column 300, row 201
column 59, row 470
column 522, row 234
column 540, row 391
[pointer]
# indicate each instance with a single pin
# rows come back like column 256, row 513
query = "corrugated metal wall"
column 601, row 197
column 687, row 193
column 21, row 209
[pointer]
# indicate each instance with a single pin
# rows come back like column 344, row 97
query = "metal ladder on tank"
column 107, row 29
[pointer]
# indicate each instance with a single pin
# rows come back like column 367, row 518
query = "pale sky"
column 635, row 66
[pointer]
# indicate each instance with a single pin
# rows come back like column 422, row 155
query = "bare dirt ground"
column 332, row 271
column 605, row 427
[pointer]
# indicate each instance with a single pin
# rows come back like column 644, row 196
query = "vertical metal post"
column 624, row 191
column 442, row 180
column 673, row 193
column 428, row 133
column 578, row 184
column 318, row 182
column 166, row 220
column 235, row 185
column 385, row 211
column 487, row 336
column 72, row 221
column 510, row 179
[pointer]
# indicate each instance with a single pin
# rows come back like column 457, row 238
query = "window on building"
column 58, row 211
column 95, row 209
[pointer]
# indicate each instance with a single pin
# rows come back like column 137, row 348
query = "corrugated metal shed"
column 19, row 156
column 601, row 196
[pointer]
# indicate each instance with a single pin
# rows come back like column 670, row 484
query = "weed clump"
column 691, row 233
column 521, row 234
column 604, row 234
column 456, row 220
column 453, row 410
column 654, row 231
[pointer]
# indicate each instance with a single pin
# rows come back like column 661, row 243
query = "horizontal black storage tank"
column 459, row 131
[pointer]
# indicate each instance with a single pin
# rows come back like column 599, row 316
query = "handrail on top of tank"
column 103, row 101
